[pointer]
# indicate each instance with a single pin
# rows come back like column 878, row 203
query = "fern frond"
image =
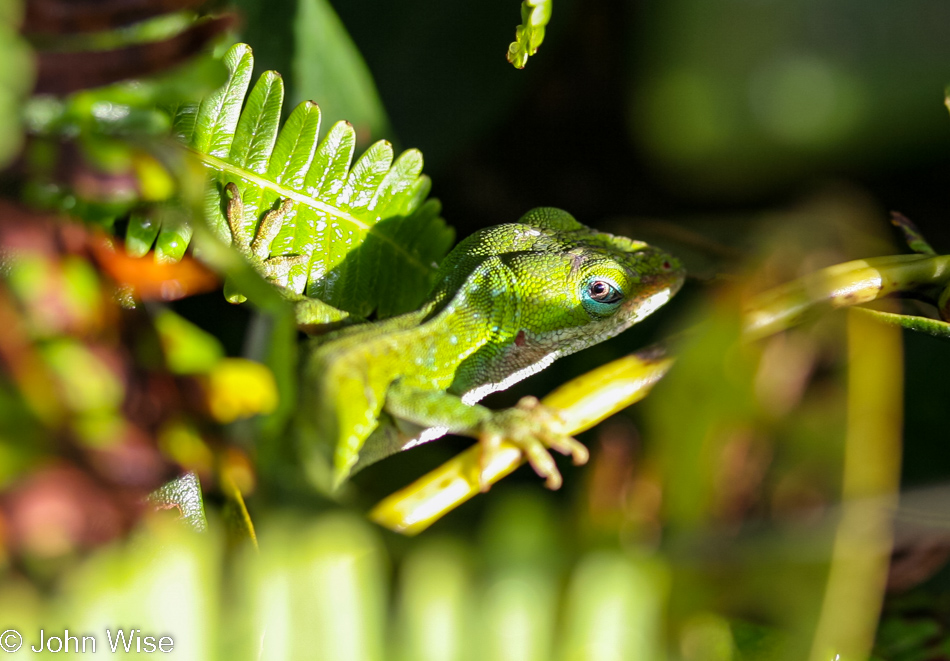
column 370, row 237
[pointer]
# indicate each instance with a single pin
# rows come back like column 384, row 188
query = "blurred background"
column 742, row 511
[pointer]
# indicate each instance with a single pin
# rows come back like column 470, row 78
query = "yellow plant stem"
column 582, row 403
column 843, row 285
column 862, row 544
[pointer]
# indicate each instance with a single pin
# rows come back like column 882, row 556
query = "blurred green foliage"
column 319, row 588
column 16, row 78
column 736, row 96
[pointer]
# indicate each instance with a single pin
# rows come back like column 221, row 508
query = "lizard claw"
column 534, row 428
column 571, row 447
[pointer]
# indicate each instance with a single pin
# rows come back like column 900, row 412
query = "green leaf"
column 188, row 349
column 535, row 15
column 329, row 67
column 370, row 237
column 209, row 128
column 141, row 233
column 926, row 325
column 16, row 78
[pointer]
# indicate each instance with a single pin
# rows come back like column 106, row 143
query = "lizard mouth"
column 658, row 276
column 665, row 272
column 661, row 277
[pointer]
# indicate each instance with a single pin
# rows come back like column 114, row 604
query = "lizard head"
column 546, row 287
column 584, row 286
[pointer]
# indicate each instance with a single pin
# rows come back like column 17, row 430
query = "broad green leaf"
column 329, row 67
column 370, row 237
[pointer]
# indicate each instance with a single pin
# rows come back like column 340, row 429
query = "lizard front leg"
column 531, row 426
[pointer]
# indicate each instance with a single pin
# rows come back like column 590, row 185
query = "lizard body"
column 508, row 301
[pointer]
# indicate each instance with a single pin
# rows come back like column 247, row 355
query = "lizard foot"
column 534, row 429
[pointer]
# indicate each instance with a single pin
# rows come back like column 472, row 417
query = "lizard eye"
column 603, row 292
column 601, row 296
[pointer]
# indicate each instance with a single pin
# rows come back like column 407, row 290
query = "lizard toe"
column 542, row 462
column 570, row 447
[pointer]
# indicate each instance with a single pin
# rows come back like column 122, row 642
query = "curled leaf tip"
column 529, row 35
column 915, row 240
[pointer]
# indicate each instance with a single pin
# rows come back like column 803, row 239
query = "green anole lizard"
column 507, row 302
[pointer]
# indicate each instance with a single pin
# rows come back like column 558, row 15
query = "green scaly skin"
column 508, row 301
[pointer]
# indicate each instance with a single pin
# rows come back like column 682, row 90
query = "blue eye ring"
column 601, row 296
